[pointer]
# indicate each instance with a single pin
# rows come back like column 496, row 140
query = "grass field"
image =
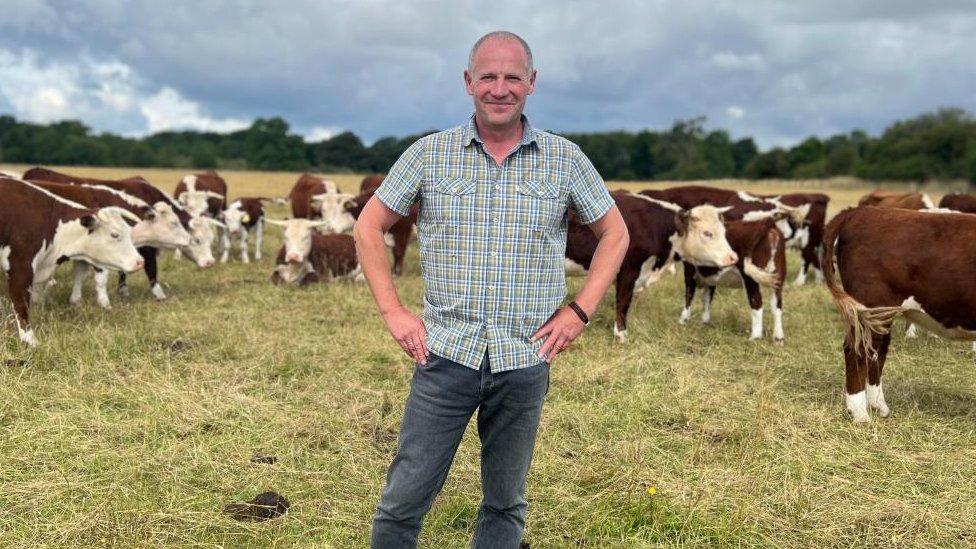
column 133, row 427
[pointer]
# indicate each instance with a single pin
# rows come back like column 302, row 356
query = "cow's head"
column 201, row 238
column 235, row 217
column 160, row 228
column 196, row 202
column 336, row 210
column 793, row 224
column 105, row 240
column 298, row 237
column 700, row 237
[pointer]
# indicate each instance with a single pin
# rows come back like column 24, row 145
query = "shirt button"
column 497, row 187
column 491, row 288
column 495, row 218
column 488, row 322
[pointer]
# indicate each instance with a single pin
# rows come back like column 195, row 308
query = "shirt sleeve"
column 401, row 186
column 588, row 193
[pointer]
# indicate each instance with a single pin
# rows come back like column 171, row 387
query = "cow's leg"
column 18, row 285
column 801, row 275
column 79, row 272
column 912, row 331
column 708, row 295
column 400, row 241
column 151, row 271
column 101, row 288
column 690, row 286
column 754, row 294
column 815, row 263
column 626, row 279
column 123, row 288
column 854, row 389
column 224, row 245
column 243, row 244
column 875, row 394
column 258, row 238
column 778, row 336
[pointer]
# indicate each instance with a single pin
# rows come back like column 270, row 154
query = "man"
column 492, row 227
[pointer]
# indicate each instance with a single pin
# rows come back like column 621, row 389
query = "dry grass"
column 134, row 427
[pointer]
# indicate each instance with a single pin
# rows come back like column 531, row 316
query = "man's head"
column 500, row 77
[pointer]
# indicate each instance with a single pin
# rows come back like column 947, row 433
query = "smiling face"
column 499, row 80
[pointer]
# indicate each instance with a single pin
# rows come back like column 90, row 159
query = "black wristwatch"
column 579, row 312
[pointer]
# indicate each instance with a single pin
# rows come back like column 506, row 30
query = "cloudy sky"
column 775, row 70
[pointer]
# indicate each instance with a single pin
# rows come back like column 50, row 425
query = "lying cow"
column 896, row 263
column 308, row 256
column 158, row 227
column 301, row 194
column 658, row 230
column 892, row 199
column 38, row 228
column 242, row 216
column 761, row 251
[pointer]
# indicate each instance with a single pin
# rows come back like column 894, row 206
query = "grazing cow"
column 808, row 239
column 336, row 210
column 202, row 193
column 309, row 256
column 370, row 183
column 893, row 199
column 658, row 230
column 301, row 194
column 242, row 216
column 965, row 203
column 158, row 227
column 38, row 228
column 401, row 231
column 200, row 228
column 896, row 263
column 762, row 262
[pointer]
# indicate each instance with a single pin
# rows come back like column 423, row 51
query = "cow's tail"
column 760, row 275
column 863, row 321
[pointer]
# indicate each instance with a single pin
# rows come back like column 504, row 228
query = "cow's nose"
column 140, row 263
column 732, row 259
column 209, row 263
column 293, row 258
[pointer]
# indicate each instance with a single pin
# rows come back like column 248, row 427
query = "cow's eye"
column 115, row 236
column 196, row 240
column 708, row 234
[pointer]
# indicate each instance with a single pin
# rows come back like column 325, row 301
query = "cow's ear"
column 681, row 219
column 89, row 222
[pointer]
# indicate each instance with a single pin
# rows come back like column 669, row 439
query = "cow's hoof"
column 75, row 303
column 123, row 291
column 779, row 342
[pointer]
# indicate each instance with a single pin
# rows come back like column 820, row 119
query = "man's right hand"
column 409, row 332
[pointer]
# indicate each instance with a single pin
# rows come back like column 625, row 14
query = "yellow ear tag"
column 246, row 218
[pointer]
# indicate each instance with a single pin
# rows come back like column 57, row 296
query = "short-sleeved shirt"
column 492, row 237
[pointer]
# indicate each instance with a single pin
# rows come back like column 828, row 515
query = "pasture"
column 134, row 427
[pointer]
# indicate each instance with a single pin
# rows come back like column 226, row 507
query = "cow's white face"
column 298, row 237
column 161, row 229
column 201, row 238
column 334, row 208
column 235, row 217
column 195, row 202
column 106, row 242
column 700, row 239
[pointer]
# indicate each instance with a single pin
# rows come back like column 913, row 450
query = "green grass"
column 133, row 427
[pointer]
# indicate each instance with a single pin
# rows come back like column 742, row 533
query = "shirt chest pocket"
column 452, row 200
column 539, row 204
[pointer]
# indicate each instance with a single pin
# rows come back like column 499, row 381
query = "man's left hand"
column 559, row 331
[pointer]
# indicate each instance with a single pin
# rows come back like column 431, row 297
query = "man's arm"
column 407, row 328
column 565, row 326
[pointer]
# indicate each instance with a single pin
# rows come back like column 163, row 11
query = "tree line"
column 936, row 145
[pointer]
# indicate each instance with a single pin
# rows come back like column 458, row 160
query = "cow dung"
column 264, row 506
column 260, row 458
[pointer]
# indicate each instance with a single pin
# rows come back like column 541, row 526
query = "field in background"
column 133, row 427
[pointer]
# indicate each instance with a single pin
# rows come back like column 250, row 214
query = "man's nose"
column 498, row 88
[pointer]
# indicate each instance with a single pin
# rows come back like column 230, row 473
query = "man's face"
column 499, row 82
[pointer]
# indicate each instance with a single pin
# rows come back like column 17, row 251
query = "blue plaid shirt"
column 492, row 238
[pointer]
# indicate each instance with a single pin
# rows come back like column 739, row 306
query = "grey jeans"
column 443, row 396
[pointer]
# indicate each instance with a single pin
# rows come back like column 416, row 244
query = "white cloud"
column 321, row 133
column 168, row 110
column 735, row 111
column 731, row 61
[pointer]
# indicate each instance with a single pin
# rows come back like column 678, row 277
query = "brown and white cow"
column 309, row 256
column 370, row 183
column 242, row 216
column 157, row 227
column 689, row 196
column 965, row 203
column 896, row 263
column 336, row 210
column 761, row 251
column 810, row 235
column 401, row 231
column 893, row 199
column 38, row 228
column 202, row 193
column 200, row 228
column 301, row 194
column 658, row 231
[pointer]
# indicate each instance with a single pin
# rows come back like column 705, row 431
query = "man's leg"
column 443, row 395
column 507, row 423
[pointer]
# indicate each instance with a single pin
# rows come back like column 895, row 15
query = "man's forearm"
column 371, row 250
column 606, row 262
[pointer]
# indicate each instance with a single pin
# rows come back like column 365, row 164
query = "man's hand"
column 560, row 330
column 409, row 332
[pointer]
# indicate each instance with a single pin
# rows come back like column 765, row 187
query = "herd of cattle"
column 897, row 254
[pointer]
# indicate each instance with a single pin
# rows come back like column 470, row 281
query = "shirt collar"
column 529, row 134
